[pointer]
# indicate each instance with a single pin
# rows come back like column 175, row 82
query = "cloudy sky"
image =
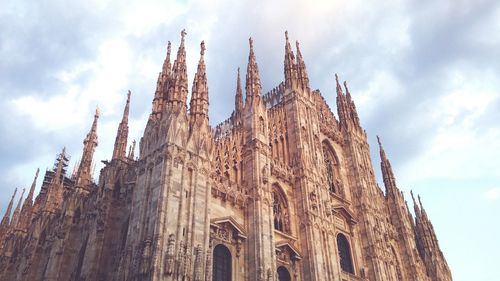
column 424, row 76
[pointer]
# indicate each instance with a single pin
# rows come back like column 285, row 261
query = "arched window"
column 344, row 253
column 283, row 274
column 280, row 211
column 221, row 270
column 76, row 216
column 330, row 165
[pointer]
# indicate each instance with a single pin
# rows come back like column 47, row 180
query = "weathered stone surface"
column 282, row 190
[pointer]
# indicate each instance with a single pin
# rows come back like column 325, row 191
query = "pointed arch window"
column 221, row 270
column 283, row 274
column 344, row 253
column 331, row 165
column 280, row 211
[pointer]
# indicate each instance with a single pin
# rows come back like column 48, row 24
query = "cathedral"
column 282, row 190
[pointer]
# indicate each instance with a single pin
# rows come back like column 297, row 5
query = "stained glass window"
column 344, row 253
column 280, row 211
column 330, row 163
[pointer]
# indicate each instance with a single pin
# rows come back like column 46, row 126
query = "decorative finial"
column 250, row 40
column 97, row 112
column 286, row 35
column 183, row 34
column 297, row 44
column 378, row 140
column 337, row 78
column 202, row 46
column 128, row 94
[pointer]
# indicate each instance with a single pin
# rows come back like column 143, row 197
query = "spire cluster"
column 348, row 115
column 296, row 76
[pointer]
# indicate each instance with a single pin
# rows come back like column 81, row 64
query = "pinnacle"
column 339, row 88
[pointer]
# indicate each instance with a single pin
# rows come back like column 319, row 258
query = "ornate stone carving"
column 170, row 255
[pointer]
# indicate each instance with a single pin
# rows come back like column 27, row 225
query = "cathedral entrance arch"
column 283, row 274
column 221, row 270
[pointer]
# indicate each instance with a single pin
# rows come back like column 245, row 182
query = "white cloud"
column 492, row 194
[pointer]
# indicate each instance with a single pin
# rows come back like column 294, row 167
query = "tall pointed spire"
column 84, row 173
column 302, row 76
column 352, row 106
column 341, row 103
column 28, row 202
column 387, row 173
column 289, row 66
column 415, row 205
column 6, row 217
column 162, row 85
column 54, row 192
column 178, row 85
column 120, row 148
column 253, row 86
column 167, row 66
column 17, row 211
column 238, row 102
column 60, row 167
column 199, row 95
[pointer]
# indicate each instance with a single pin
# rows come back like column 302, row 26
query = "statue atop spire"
column 120, row 148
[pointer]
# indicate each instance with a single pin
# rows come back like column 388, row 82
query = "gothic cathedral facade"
column 282, row 190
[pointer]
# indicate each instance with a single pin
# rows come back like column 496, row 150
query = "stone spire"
column 54, row 192
column 6, row 217
column 302, row 76
column 131, row 151
column 253, row 86
column 415, row 205
column 167, row 66
column 238, row 102
column 28, row 202
column 387, row 173
column 120, row 149
column 198, row 110
column 27, row 209
column 341, row 103
column 162, row 84
column 178, row 85
column 290, row 71
column 84, row 173
column 17, row 211
column 60, row 166
column 352, row 106
column 428, row 246
column 348, row 115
